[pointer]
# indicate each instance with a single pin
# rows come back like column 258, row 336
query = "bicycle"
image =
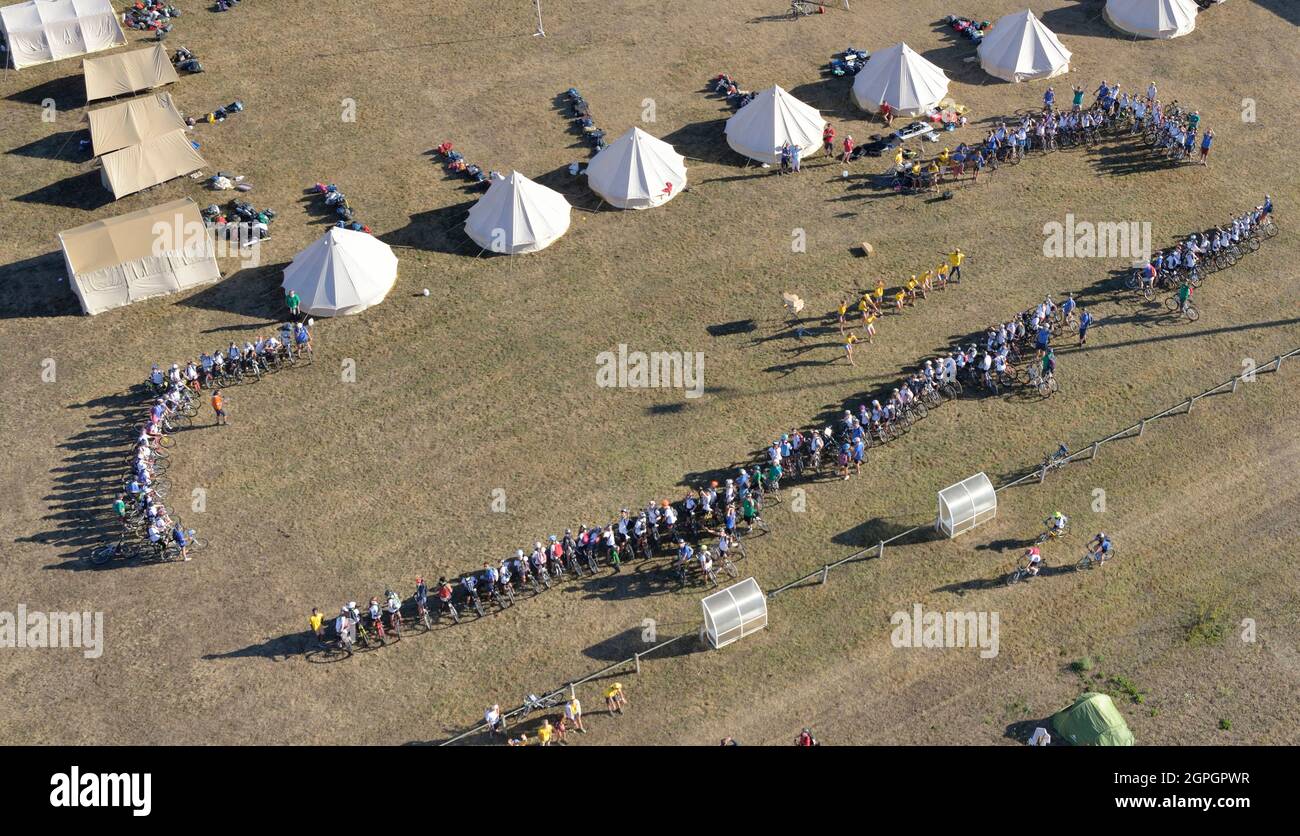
column 1047, row 385
column 1175, row 307
column 475, row 602
column 1020, row 572
column 801, row 8
column 1051, row 534
column 1093, row 559
column 125, row 548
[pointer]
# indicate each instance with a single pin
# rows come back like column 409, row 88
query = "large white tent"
column 145, row 253
column 133, row 121
column 1020, row 48
column 127, row 72
column 901, row 78
column 1152, row 18
column 157, row 160
column 517, row 216
column 40, row 31
column 342, row 272
column 770, row 120
column 637, row 171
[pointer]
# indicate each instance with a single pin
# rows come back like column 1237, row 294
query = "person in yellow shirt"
column 871, row 327
column 849, row 342
column 955, row 259
column 945, row 157
column 545, row 732
column 927, row 282
column 844, row 309
column 899, row 297
column 865, row 306
column 912, row 284
column 941, row 275
column 615, row 699
column 879, row 294
column 898, row 157
column 317, row 622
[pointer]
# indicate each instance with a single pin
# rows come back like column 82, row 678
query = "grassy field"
column 322, row 490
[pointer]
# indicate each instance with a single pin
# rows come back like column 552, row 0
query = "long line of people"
column 1221, row 246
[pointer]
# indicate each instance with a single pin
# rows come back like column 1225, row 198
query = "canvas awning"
column 149, row 163
column 127, row 72
column 146, row 253
column 41, row 31
column 132, row 122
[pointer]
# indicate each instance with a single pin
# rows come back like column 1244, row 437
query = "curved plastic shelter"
column 637, row 171
column 769, row 121
column 734, row 612
column 1021, row 48
column 966, row 504
column 901, row 78
column 1151, row 18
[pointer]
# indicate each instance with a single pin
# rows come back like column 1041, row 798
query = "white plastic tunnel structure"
column 966, row 504
column 734, row 612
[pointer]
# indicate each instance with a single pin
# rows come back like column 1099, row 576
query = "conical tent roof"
column 1093, row 720
column 771, row 119
column 637, row 171
column 1152, row 18
column 1020, row 48
column 517, row 216
column 902, row 78
column 343, row 272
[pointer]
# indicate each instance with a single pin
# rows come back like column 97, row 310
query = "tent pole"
column 540, row 31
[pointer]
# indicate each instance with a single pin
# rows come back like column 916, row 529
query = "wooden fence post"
column 1235, row 381
column 880, row 549
column 826, row 572
column 1142, row 427
column 1190, row 401
column 637, row 656
column 1278, row 360
column 1096, row 446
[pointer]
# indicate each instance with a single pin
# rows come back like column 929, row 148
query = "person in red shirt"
column 848, row 147
column 887, row 113
column 828, row 140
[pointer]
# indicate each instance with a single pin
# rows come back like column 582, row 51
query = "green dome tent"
column 1093, row 720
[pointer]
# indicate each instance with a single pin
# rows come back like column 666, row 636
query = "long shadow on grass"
column 80, row 191
column 37, row 287
column 56, row 146
column 89, row 476
column 438, row 230
column 252, row 292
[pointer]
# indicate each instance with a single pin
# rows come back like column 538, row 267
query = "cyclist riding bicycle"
column 1100, row 546
column 1057, row 522
column 444, row 592
column 1035, row 557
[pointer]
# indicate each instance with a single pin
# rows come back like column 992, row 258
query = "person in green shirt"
column 613, row 557
column 773, row 476
column 1049, row 363
column 119, row 507
column 1078, row 98
column 1184, row 297
column 292, row 301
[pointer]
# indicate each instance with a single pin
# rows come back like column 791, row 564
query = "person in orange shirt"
column 219, row 406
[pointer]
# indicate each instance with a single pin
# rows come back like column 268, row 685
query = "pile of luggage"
column 455, row 163
column 336, row 200
column 849, row 62
column 186, row 61
column 242, row 218
column 578, row 110
column 218, row 115
column 725, row 85
column 969, row 29
column 154, row 16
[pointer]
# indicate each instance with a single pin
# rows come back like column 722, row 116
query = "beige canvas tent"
column 41, row 31
column 127, row 72
column 149, row 163
column 132, row 122
column 151, row 252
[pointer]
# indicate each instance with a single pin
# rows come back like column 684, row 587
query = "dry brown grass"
column 322, row 491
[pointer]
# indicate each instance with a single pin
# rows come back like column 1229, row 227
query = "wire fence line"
column 633, row 662
column 1038, row 474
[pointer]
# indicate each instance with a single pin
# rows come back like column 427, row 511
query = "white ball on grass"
column 426, row 291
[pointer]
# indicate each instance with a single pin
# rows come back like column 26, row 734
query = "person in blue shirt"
column 1085, row 322
column 1043, row 336
column 1068, row 306
column 1205, row 145
column 1049, row 98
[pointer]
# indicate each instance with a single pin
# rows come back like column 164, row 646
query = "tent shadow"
column 704, row 142
column 1080, row 19
column 573, row 187
column 952, row 60
column 831, row 96
column 252, row 292
column 80, row 191
column 438, row 230
column 68, row 93
column 37, row 287
column 1288, row 10
column 56, row 146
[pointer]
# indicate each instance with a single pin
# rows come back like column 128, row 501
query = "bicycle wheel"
column 729, row 567
column 1171, row 304
column 1269, row 229
column 1085, row 562
column 1192, row 313
column 478, row 607
column 166, row 440
column 1015, row 576
column 1252, row 243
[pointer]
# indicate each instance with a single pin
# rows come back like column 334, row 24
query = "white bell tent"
column 40, row 31
column 517, row 216
column 735, row 612
column 770, row 120
column 1021, row 48
column 1152, row 18
column 342, row 272
column 901, row 78
column 637, row 171
column 968, row 503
